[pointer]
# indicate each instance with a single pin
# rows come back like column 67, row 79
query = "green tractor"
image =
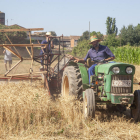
column 112, row 84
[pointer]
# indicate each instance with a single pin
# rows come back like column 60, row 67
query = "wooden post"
column 12, row 67
column 13, row 53
column 28, row 51
column 11, row 43
column 30, row 37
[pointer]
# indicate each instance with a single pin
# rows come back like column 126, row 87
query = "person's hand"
column 76, row 61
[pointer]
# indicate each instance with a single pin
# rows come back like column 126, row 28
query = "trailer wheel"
column 135, row 111
column 89, row 104
column 71, row 82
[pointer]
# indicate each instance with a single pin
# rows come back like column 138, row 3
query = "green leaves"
column 127, row 54
column 130, row 35
column 15, row 37
column 111, row 40
column 111, row 26
column 85, row 36
column 81, row 49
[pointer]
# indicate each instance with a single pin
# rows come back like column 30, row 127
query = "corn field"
column 127, row 54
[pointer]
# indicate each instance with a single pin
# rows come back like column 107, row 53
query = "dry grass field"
column 27, row 112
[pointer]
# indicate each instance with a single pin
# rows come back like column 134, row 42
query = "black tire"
column 89, row 104
column 135, row 112
column 71, row 82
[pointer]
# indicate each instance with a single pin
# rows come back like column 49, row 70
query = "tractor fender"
column 84, row 73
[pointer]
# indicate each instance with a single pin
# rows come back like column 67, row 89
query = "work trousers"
column 41, row 53
column 91, row 71
column 41, row 59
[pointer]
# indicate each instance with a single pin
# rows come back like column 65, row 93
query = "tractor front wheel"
column 135, row 107
column 71, row 82
column 89, row 104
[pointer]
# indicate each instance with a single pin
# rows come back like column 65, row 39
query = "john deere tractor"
column 112, row 84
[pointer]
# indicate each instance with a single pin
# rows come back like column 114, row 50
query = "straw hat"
column 94, row 38
column 48, row 34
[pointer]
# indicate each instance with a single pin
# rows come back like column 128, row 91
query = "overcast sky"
column 70, row 17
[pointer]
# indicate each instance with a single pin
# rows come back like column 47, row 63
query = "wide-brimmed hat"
column 94, row 38
column 48, row 34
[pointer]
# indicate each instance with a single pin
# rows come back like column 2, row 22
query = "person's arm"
column 110, row 58
column 38, row 41
column 79, row 60
column 82, row 60
column 109, row 54
column 4, row 51
column 43, row 47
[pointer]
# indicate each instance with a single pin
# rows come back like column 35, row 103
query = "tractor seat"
column 89, row 62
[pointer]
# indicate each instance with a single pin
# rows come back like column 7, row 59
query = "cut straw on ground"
column 27, row 112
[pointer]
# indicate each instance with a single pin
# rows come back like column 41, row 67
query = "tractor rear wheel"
column 135, row 111
column 89, row 104
column 71, row 82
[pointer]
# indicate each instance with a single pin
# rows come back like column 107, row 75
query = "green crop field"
column 127, row 54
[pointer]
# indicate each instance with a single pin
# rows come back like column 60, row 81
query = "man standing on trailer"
column 7, row 57
column 97, row 52
column 48, row 46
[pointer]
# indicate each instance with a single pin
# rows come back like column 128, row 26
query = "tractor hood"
column 107, row 68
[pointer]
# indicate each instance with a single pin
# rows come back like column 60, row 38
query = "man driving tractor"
column 96, row 53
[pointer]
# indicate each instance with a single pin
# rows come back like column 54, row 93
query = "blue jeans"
column 91, row 70
column 41, row 53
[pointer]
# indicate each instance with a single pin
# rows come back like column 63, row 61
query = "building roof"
column 16, row 25
column 74, row 37
column 39, row 33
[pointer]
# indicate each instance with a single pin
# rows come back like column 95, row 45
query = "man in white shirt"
column 7, row 58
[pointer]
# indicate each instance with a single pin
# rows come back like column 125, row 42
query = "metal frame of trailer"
column 47, row 72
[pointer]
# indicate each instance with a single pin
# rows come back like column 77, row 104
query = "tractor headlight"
column 129, row 70
column 116, row 70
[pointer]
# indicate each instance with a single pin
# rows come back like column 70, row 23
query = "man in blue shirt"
column 46, row 48
column 97, row 52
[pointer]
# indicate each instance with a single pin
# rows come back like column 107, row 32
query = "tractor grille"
column 121, row 89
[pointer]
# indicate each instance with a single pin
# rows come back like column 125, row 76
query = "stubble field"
column 27, row 112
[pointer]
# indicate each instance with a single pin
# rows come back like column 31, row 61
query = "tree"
column 15, row 37
column 82, row 48
column 85, row 36
column 53, row 33
column 137, row 33
column 111, row 41
column 130, row 35
column 111, row 26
